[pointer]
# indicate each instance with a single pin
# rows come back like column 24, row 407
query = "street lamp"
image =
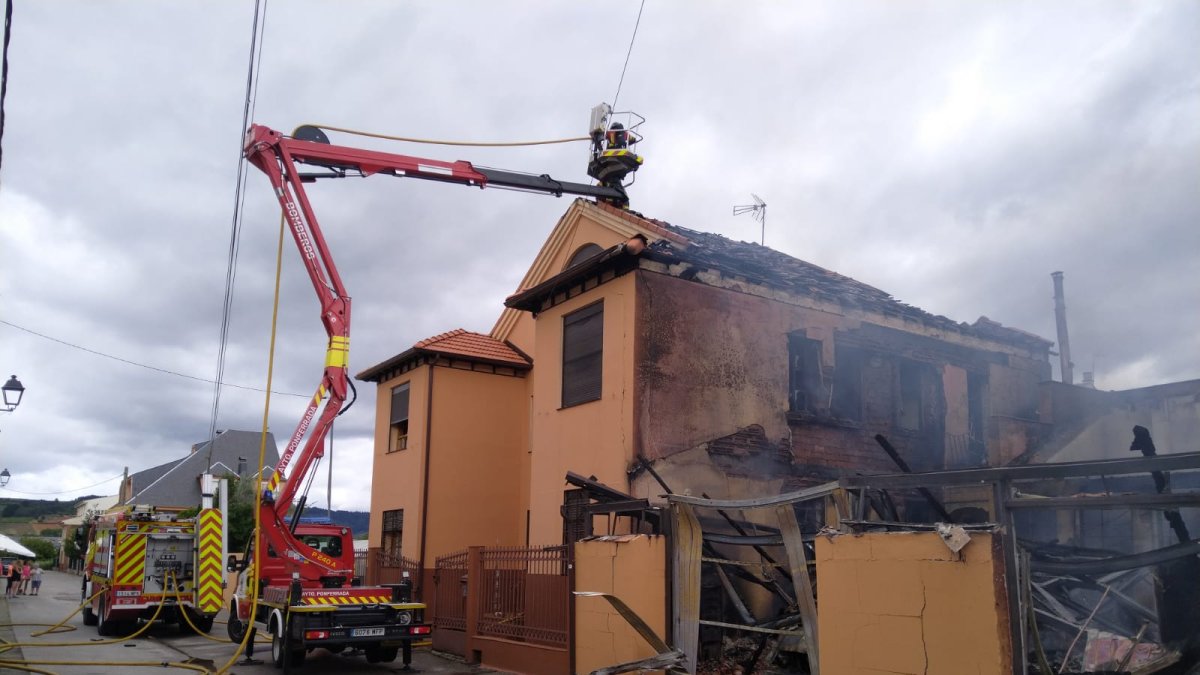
column 13, row 391
column 4, row 476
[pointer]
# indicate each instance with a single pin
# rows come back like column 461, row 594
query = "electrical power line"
column 141, row 365
column 628, row 53
column 4, row 69
column 257, row 28
column 63, row 492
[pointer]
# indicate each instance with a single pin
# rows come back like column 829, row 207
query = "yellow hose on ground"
column 25, row 664
column 112, row 641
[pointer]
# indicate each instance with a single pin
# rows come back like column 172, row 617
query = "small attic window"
column 583, row 253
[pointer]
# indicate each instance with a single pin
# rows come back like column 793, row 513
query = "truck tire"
column 89, row 617
column 106, row 626
column 234, row 628
column 199, row 622
column 283, row 655
column 378, row 654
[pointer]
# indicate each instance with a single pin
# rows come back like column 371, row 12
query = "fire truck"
column 138, row 559
column 306, row 595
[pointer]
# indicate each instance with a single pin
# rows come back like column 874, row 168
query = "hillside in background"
column 357, row 521
column 48, row 509
column 34, row 517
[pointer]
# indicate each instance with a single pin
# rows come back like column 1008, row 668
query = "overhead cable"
column 236, row 225
column 139, row 365
column 63, row 492
column 4, row 71
column 628, row 53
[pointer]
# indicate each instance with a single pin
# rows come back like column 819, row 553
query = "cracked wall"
column 902, row 603
column 633, row 568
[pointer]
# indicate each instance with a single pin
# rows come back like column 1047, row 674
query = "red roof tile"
column 460, row 342
column 656, row 227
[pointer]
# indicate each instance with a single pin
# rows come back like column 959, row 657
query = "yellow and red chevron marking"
column 346, row 599
column 130, row 564
column 209, row 586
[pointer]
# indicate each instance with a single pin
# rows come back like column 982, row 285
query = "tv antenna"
column 759, row 209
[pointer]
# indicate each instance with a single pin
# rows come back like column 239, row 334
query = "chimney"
column 1060, row 317
column 241, row 466
column 1089, row 380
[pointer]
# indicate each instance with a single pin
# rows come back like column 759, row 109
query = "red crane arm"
column 277, row 156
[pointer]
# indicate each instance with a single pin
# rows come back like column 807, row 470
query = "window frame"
column 398, row 427
column 572, row 392
column 391, row 539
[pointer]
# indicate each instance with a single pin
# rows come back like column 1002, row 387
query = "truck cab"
column 335, row 541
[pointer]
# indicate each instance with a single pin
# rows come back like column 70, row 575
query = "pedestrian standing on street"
column 14, row 579
column 26, row 570
column 37, row 578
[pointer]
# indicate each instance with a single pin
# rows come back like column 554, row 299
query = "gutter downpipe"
column 425, row 472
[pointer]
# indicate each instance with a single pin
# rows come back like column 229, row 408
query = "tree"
column 44, row 549
column 74, row 544
column 240, row 518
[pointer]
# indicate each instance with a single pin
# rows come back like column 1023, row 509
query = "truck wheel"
column 282, row 653
column 106, row 626
column 203, row 624
column 377, row 654
column 234, row 627
column 89, row 617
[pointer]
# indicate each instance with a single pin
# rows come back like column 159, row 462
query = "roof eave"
column 616, row 258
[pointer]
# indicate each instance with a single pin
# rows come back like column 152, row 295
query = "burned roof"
column 693, row 250
column 458, row 343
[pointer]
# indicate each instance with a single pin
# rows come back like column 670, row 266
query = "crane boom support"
column 277, row 156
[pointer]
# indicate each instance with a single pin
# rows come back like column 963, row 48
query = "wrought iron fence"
column 524, row 594
column 360, row 564
column 450, row 591
column 393, row 567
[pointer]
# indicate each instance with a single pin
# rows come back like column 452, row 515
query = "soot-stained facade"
column 732, row 369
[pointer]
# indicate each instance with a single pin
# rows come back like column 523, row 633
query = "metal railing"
column 450, row 592
column 524, row 594
column 393, row 567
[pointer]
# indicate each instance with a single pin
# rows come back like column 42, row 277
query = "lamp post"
column 4, row 476
column 13, row 391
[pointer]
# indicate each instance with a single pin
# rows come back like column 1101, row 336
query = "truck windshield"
column 329, row 544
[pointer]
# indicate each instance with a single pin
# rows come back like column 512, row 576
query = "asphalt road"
column 162, row 643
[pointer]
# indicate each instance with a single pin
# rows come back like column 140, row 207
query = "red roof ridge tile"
column 462, row 342
column 654, row 226
column 423, row 344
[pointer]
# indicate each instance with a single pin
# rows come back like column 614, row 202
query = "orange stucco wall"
column 592, row 438
column 632, row 568
column 478, row 440
column 903, row 603
column 476, row 456
column 396, row 477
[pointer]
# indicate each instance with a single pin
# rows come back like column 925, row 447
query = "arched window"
column 583, row 253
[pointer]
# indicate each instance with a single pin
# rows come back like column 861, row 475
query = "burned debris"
column 747, row 573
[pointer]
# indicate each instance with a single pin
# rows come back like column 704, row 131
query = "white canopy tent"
column 9, row 546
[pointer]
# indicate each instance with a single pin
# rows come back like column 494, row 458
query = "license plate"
column 367, row 632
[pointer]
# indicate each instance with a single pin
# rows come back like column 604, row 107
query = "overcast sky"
column 953, row 154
